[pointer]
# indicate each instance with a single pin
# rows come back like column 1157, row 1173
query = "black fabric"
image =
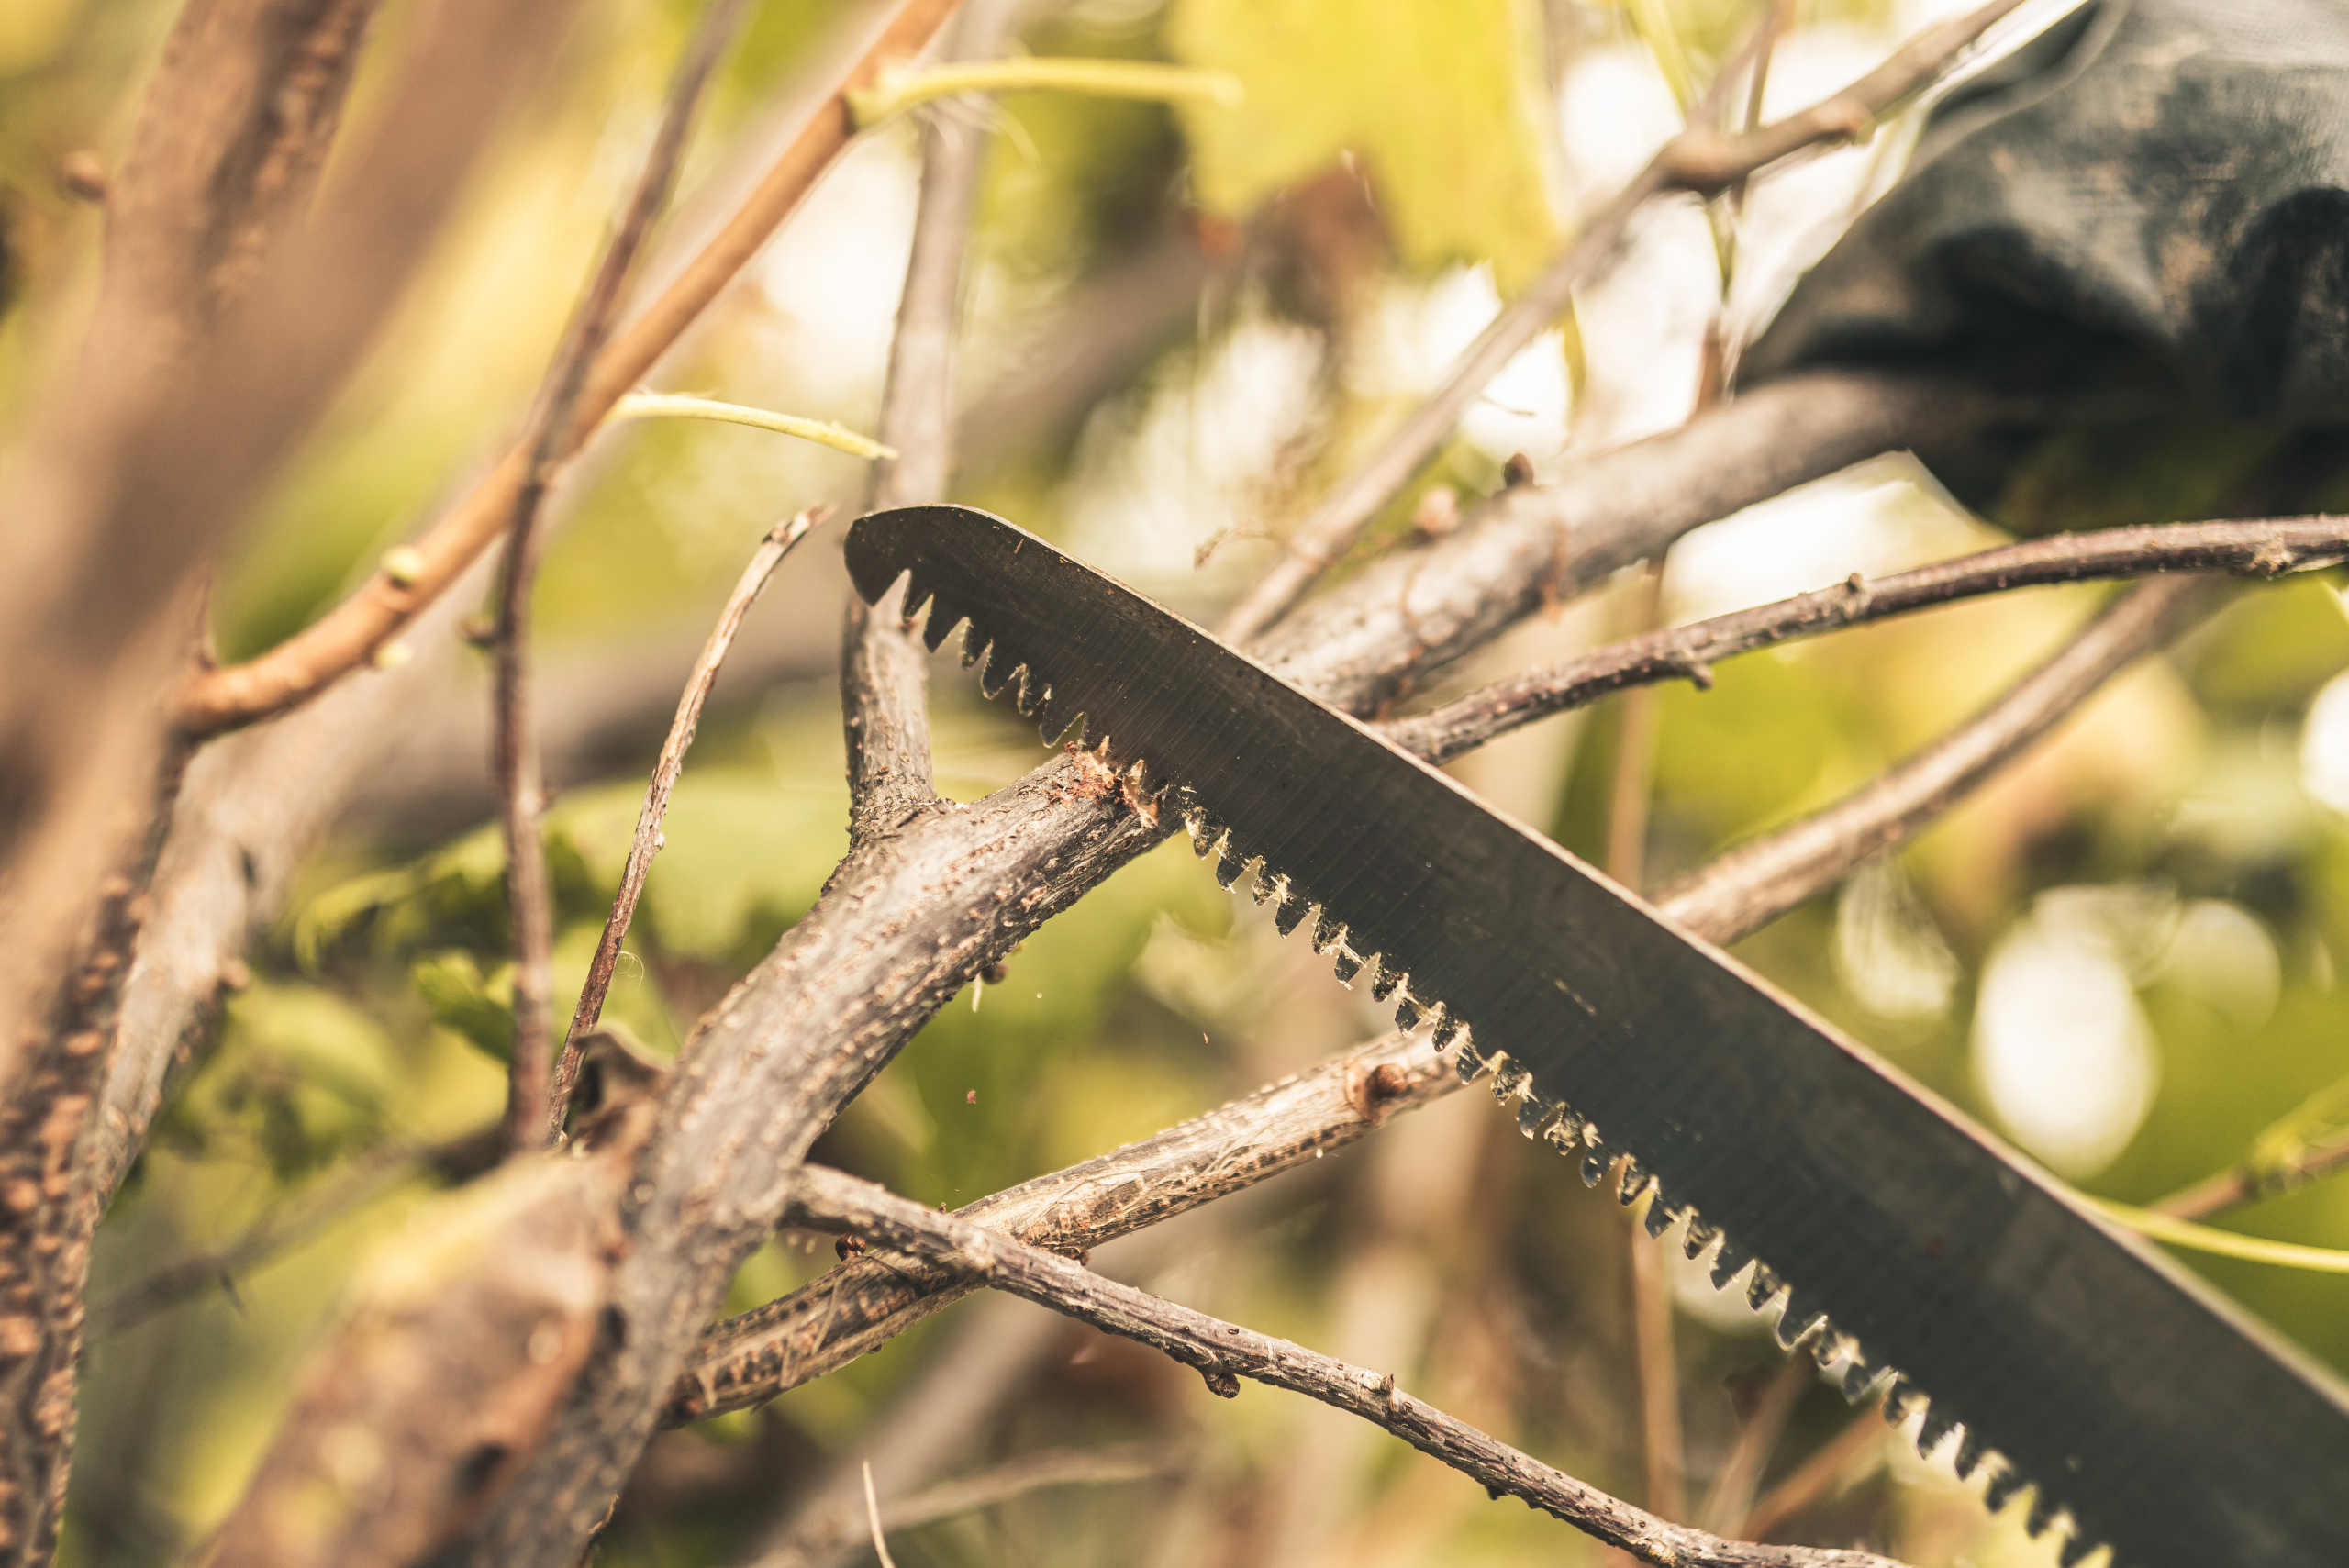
column 2156, row 194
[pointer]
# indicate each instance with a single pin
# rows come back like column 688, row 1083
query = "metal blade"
column 2148, row 1413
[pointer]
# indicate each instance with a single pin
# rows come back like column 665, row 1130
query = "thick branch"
column 349, row 635
column 1223, row 1352
column 1695, row 152
column 1750, row 886
column 1408, row 615
column 2264, row 549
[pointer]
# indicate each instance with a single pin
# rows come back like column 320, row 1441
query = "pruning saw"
column 1911, row 1252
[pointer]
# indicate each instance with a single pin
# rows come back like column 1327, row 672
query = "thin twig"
column 1700, row 161
column 1732, row 1498
column 1753, row 885
column 1863, row 1435
column 1224, row 1353
column 2258, row 549
column 2249, row 1182
column 1032, row 1473
column 552, row 438
column 648, row 839
column 873, row 1513
column 349, row 635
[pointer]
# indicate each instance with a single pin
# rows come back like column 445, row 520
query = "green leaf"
column 467, row 1003
column 301, row 1076
column 1432, row 96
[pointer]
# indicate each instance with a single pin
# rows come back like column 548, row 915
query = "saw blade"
column 1899, row 1243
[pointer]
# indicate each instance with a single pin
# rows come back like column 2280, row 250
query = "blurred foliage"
column 1432, row 97
column 380, row 1009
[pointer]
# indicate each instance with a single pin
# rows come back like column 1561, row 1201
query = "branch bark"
column 1224, row 1353
column 2257, row 549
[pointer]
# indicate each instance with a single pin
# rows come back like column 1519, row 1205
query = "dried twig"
column 1224, row 1353
column 1016, row 1478
column 647, row 841
column 1752, row 885
column 532, row 1113
column 1700, row 161
column 299, row 668
column 2259, row 548
column 872, row 1515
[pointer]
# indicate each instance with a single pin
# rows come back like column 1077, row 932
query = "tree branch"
column 1694, row 161
column 348, row 636
column 1224, row 1353
column 2262, row 549
column 855, row 1309
column 1408, row 615
column 647, row 840
column 1750, row 886
column 533, row 1113
column 1703, row 162
column 884, row 669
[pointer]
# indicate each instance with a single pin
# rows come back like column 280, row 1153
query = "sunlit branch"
column 1754, row 883
column 2261, row 549
column 349, row 635
column 1224, row 1353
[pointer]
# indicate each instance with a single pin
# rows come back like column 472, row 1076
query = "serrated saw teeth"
column 1008, row 658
